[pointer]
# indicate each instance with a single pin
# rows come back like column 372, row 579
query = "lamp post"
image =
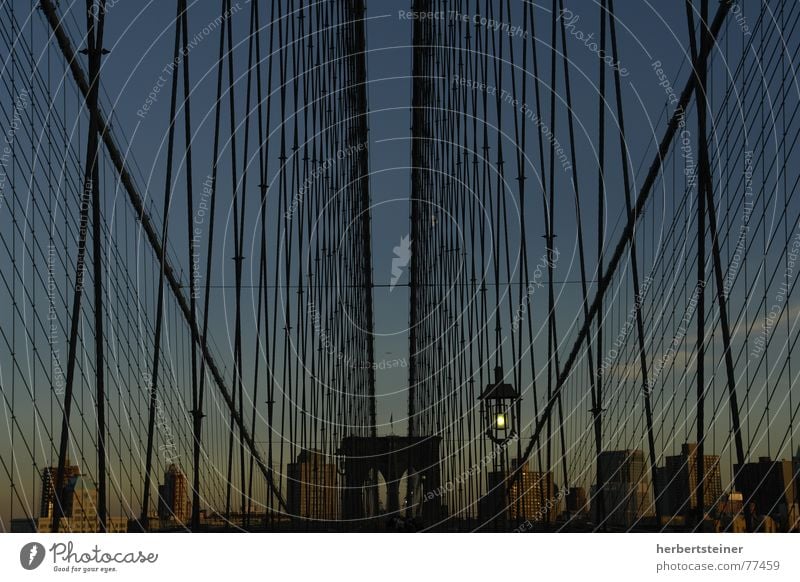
column 499, row 408
column 498, row 404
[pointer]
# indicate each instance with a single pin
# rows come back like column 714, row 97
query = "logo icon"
column 31, row 555
column 402, row 255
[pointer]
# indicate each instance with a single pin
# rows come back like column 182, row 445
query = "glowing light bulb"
column 500, row 421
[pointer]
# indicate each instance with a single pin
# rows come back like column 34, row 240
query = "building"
column 23, row 525
column 626, row 489
column 79, row 500
column 68, row 525
column 796, row 469
column 532, row 497
column 678, row 483
column 312, row 487
column 577, row 503
column 769, row 489
column 731, row 503
column 49, row 477
column 174, row 500
column 730, row 515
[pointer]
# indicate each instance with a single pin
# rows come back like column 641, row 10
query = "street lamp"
column 498, row 402
column 499, row 408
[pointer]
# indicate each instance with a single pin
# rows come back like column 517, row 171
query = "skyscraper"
column 678, row 483
column 79, row 499
column 312, row 487
column 576, row 501
column 769, row 489
column 532, row 497
column 173, row 496
column 49, row 476
column 626, row 488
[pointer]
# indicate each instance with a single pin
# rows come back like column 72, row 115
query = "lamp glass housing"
column 499, row 402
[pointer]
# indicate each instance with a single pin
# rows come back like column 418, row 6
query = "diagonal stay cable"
column 677, row 120
column 79, row 76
